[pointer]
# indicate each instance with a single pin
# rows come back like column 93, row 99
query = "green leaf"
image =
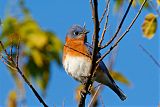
column 119, row 77
column 149, row 26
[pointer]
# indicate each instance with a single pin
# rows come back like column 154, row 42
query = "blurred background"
column 41, row 27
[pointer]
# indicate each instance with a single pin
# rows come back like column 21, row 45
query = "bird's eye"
column 76, row 33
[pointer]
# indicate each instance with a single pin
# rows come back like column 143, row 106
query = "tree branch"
column 15, row 67
column 119, row 27
column 127, row 30
column 84, row 91
column 105, row 10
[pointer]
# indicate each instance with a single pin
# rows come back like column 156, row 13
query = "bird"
column 77, row 61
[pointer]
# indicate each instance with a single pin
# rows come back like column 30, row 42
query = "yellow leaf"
column 37, row 57
column 119, row 77
column 12, row 99
column 36, row 40
column 32, row 34
column 158, row 2
column 149, row 26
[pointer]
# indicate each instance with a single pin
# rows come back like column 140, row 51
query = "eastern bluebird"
column 77, row 54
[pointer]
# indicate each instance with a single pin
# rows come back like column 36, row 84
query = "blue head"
column 76, row 32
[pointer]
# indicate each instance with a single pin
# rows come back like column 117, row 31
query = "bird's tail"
column 118, row 91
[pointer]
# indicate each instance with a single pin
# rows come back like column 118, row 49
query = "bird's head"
column 77, row 32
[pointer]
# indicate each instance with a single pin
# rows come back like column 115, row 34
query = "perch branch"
column 84, row 91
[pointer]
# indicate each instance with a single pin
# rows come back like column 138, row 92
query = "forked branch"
column 123, row 35
column 119, row 27
column 9, row 61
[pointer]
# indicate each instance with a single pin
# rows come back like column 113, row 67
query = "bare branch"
column 105, row 25
column 91, row 5
column 127, row 30
column 105, row 10
column 11, row 47
column 17, row 55
column 32, row 88
column 84, row 91
column 8, row 65
column 119, row 27
column 16, row 68
column 102, row 101
column 150, row 55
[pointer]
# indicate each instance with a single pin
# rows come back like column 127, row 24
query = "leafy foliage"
column 38, row 47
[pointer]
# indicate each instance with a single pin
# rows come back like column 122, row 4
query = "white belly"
column 77, row 67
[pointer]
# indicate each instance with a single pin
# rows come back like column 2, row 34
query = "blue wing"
column 102, row 66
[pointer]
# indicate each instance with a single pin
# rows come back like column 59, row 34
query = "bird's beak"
column 86, row 31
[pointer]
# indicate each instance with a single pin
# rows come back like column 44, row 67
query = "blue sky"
column 131, row 61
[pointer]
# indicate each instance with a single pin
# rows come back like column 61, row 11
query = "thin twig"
column 17, row 55
column 95, row 96
column 4, row 49
column 91, row 5
column 84, row 91
column 150, row 55
column 105, row 25
column 105, row 10
column 127, row 30
column 7, row 60
column 119, row 27
column 77, row 51
column 102, row 101
column 9, row 66
column 11, row 47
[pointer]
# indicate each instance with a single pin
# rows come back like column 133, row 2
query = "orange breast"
column 75, row 47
